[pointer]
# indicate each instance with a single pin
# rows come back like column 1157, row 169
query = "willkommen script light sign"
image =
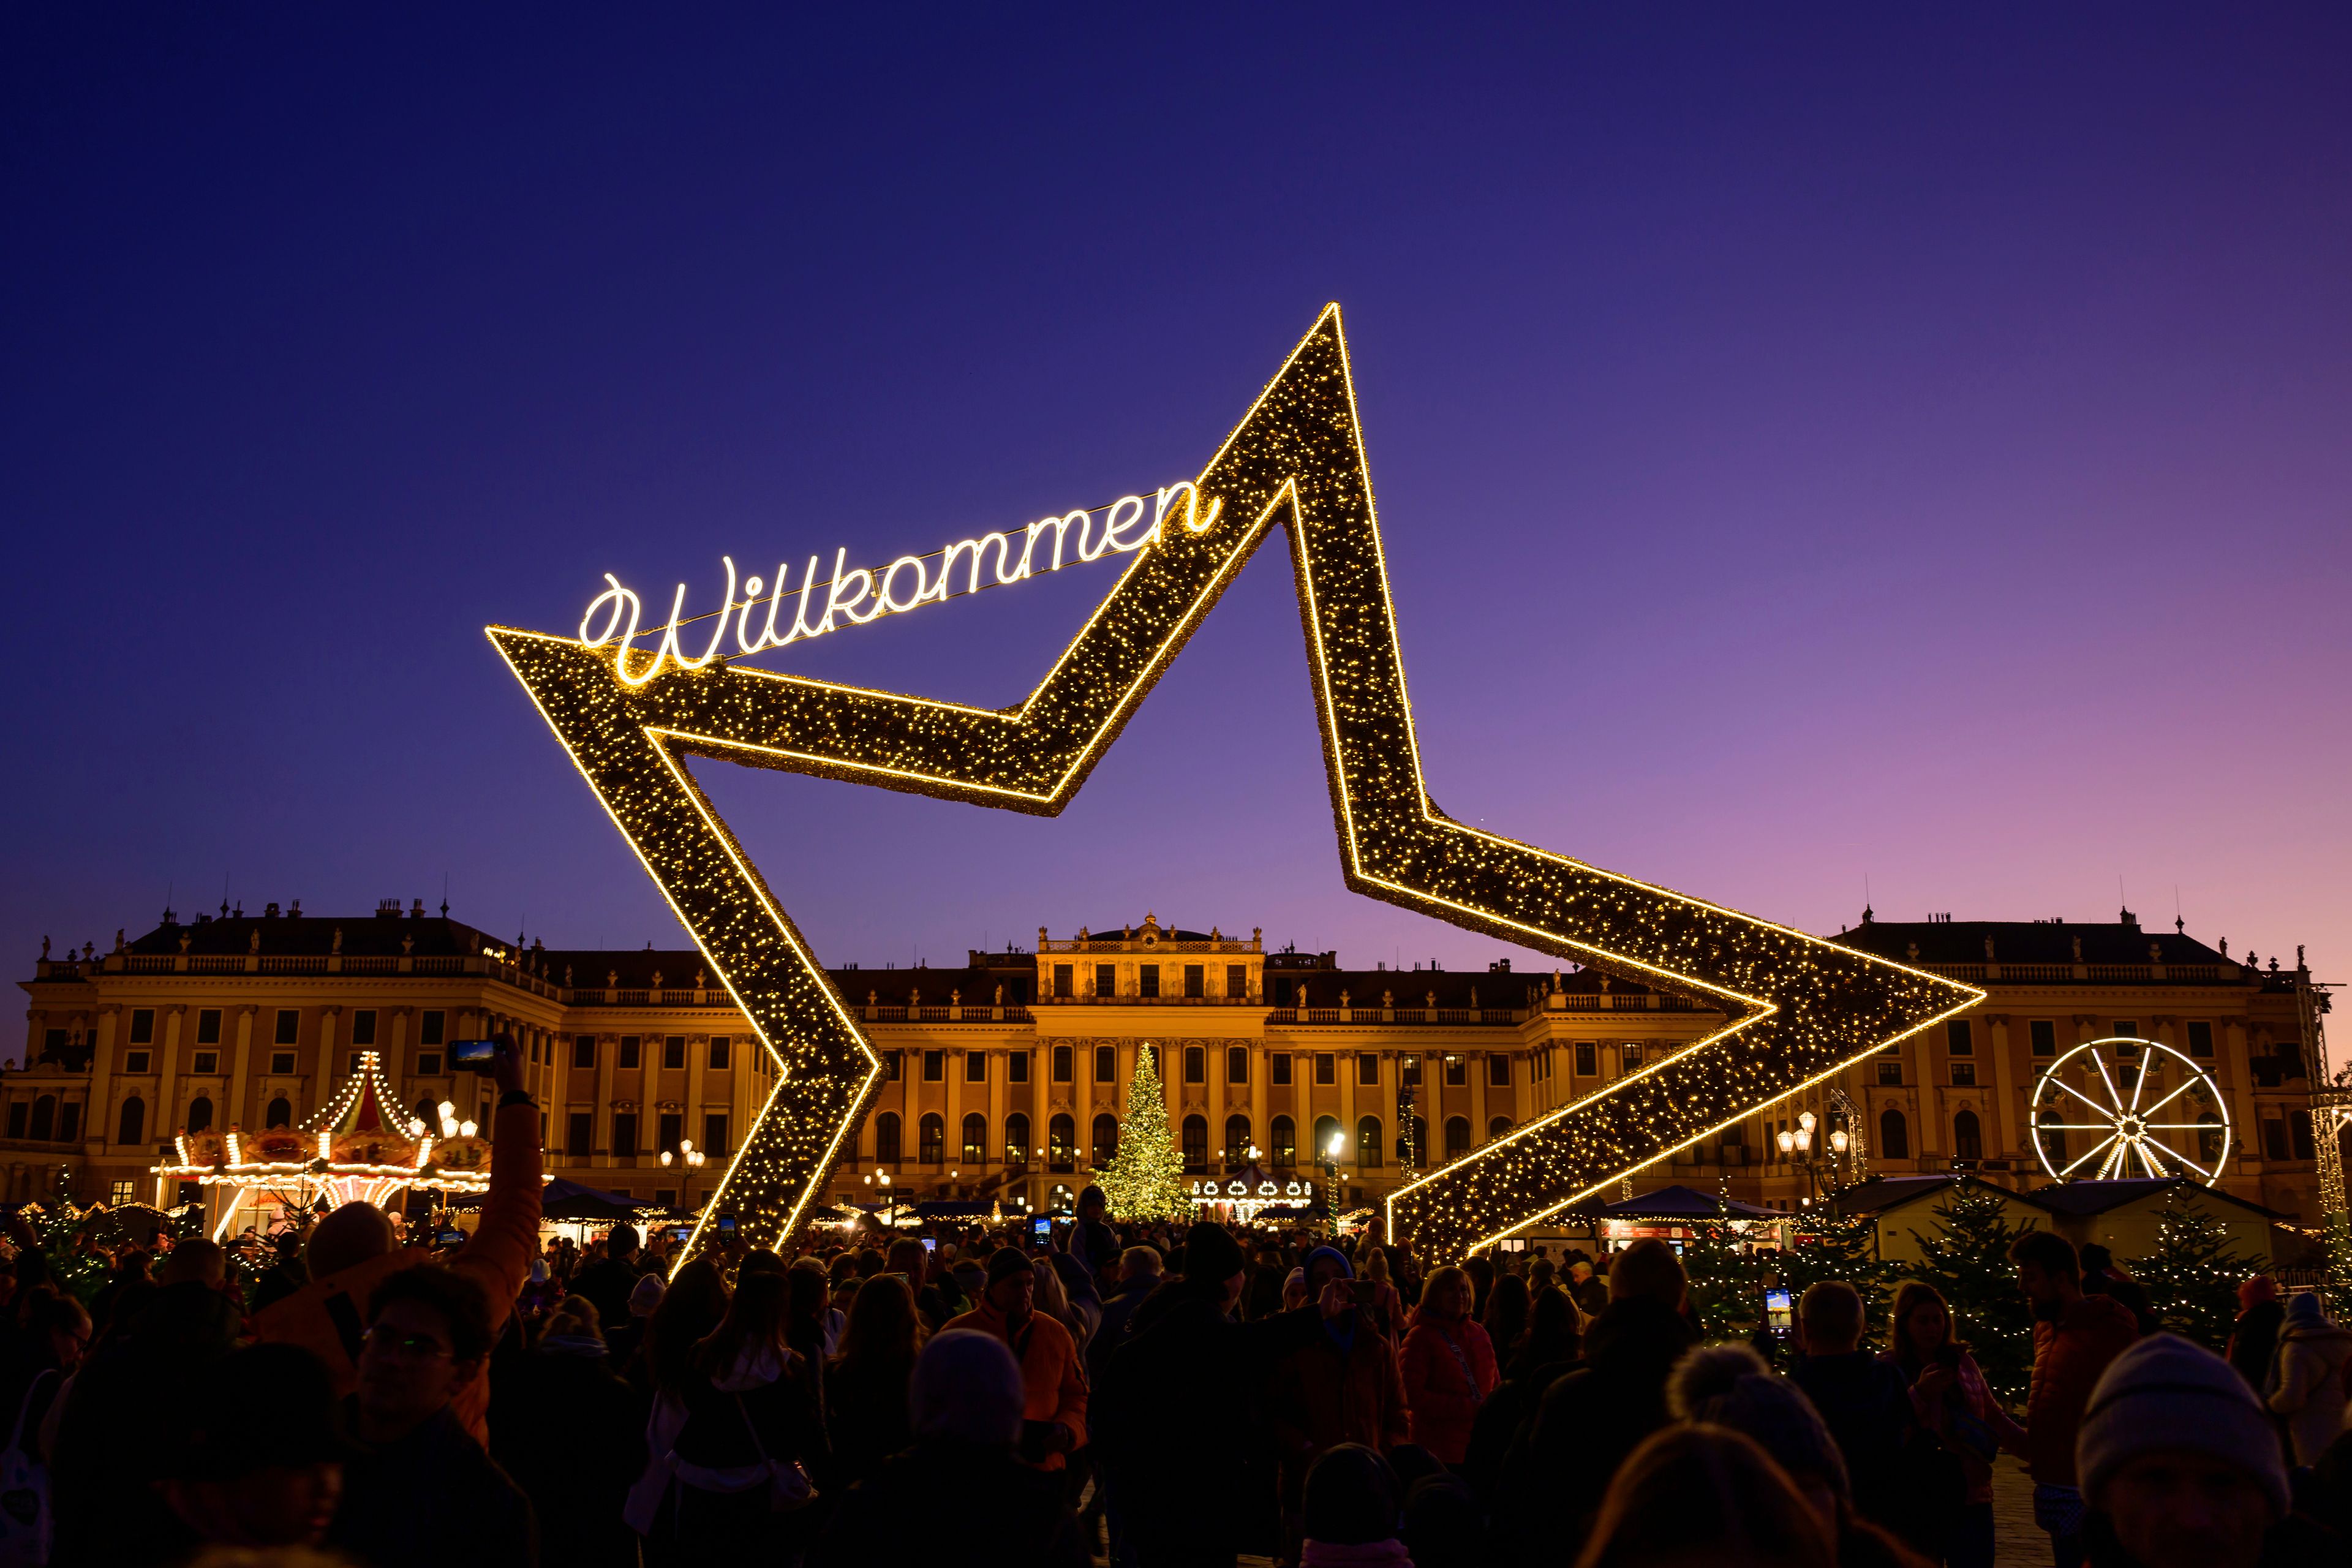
column 1800, row 1008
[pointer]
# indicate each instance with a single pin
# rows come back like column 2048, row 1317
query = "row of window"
column 432, row 1026
column 1193, row 978
column 673, row 1048
column 670, row 1130
column 1960, row 1036
column 1280, row 1066
column 1062, row 1153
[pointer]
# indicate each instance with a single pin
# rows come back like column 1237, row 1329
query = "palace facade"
column 1006, row 1078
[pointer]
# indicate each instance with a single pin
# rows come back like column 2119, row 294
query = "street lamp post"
column 1332, row 1149
column 693, row 1159
column 1796, row 1148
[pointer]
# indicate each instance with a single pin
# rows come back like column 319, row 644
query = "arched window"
column 886, row 1139
column 2209, row 1139
column 1196, row 1145
column 1368, row 1143
column 1061, row 1144
column 279, row 1114
column 1105, row 1140
column 200, row 1114
column 132, row 1127
column 931, row 1139
column 2053, row 1141
column 44, row 1118
column 1016, row 1139
column 1327, row 1132
column 1967, row 1136
column 1237, row 1139
column 1283, row 1134
column 1893, row 1135
column 975, row 1138
column 1496, row 1128
column 1457, row 1136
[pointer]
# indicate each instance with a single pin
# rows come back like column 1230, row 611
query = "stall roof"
column 1679, row 1203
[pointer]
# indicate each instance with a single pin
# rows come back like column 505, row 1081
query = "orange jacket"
column 326, row 1316
column 2068, row 1357
column 1053, row 1383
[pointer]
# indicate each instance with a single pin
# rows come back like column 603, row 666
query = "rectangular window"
column 584, row 1052
column 429, row 1064
column 1106, row 1064
column 1237, row 982
column 1959, row 1038
column 119, row 1193
column 206, row 1062
column 1106, row 979
column 2273, row 1135
column 935, row 1067
column 1196, row 981
column 1196, row 1064
column 1964, row 1074
column 1630, row 1053
column 1016, row 1068
column 1280, row 1064
column 68, row 1121
column 2200, row 1039
column 1368, row 1068
column 363, row 1026
column 281, row 1061
column 208, row 1026
column 1409, row 1071
column 2127, row 1028
column 142, row 1025
column 16, row 1113
column 1588, row 1059
column 1064, row 1065
column 714, row 1134
column 1327, row 1067
column 2045, row 1037
column 670, row 1127
column 975, row 1066
column 1890, row 1073
column 1147, row 980
column 135, row 1061
column 289, row 1026
column 433, row 1027
column 1064, row 983
column 720, row 1047
column 1237, row 1064
column 580, row 1134
column 625, row 1134
column 673, row 1053
column 631, row 1048
column 1457, row 1072
column 1498, row 1071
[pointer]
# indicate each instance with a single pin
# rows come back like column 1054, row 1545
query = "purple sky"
column 1859, row 447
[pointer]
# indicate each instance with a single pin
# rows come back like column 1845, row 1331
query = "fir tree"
column 1145, row 1180
column 2191, row 1278
column 1831, row 1246
column 1968, row 1259
column 1727, row 1283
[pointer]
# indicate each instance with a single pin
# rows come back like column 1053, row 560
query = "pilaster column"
column 102, row 1067
column 697, row 1064
column 1000, row 1087
column 232, row 1113
column 2004, row 1079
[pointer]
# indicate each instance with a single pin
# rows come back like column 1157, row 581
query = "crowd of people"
column 1139, row 1395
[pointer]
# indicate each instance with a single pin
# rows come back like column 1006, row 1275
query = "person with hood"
column 2306, row 1384
column 608, row 1281
column 1343, row 1386
column 1181, row 1407
column 1594, row 1416
column 355, row 1248
column 2253, row 1338
column 1055, row 1416
column 572, row 1435
column 2181, row 1467
column 1448, row 1366
column 1352, row 1508
column 2076, row 1337
column 966, row 1401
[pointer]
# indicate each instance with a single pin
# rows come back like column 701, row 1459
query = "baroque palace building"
column 1005, row 1078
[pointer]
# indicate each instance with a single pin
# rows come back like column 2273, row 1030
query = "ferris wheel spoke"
column 2183, row 1126
column 2114, row 1095
column 2096, row 1109
column 2093, row 1151
column 2155, row 1166
column 2175, row 1094
column 2193, row 1166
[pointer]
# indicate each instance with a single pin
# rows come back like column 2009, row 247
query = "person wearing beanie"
column 2179, row 1463
column 1181, row 1426
column 2076, row 1337
column 968, row 1395
column 2253, row 1338
column 1092, row 1241
column 2307, row 1387
column 1345, row 1386
column 1054, row 1384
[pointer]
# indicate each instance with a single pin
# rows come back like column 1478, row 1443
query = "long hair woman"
column 1448, row 1366
column 1705, row 1497
column 1949, row 1519
column 868, row 1381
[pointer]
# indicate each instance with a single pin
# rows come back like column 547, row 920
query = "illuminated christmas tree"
column 2191, row 1278
column 1145, row 1180
column 1726, row 1281
column 1967, row 1258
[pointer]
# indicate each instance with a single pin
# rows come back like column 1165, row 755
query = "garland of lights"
column 1801, row 1008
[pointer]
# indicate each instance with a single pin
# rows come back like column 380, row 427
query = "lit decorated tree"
column 1967, row 1258
column 1831, row 1246
column 1727, row 1283
column 2191, row 1278
column 1145, row 1180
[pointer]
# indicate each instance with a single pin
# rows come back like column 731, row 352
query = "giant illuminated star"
column 1801, row 1008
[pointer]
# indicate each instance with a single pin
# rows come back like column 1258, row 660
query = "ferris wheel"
column 2124, row 1114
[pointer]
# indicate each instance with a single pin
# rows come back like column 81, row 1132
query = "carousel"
column 358, row 1148
column 1249, row 1192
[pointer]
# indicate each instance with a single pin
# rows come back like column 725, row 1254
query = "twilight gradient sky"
column 1809, row 449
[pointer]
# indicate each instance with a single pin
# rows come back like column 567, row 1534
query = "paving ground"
column 2016, row 1543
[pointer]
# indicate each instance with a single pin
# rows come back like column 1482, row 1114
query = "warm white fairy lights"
column 2120, row 1115
column 1803, row 1009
